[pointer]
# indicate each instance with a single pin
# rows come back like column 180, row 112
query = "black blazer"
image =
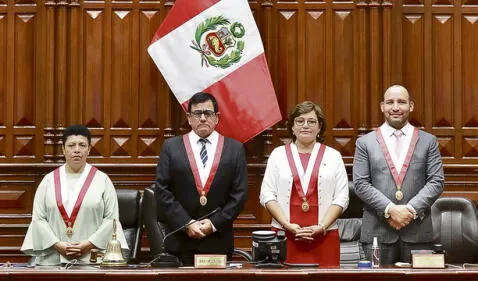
column 178, row 199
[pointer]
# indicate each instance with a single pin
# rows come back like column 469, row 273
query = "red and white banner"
column 214, row 46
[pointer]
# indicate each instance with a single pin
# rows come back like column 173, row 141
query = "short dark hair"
column 200, row 98
column 304, row 108
column 76, row 130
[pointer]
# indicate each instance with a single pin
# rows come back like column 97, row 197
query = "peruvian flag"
column 214, row 46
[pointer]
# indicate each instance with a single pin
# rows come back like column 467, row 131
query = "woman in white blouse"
column 74, row 207
column 305, row 189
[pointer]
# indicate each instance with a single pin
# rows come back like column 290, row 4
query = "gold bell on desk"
column 113, row 255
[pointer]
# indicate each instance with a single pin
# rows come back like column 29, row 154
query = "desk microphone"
column 167, row 260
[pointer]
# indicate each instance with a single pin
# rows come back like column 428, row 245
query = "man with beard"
column 398, row 174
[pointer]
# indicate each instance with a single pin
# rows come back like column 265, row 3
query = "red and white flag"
column 214, row 46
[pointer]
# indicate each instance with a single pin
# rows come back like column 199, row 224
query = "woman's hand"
column 292, row 228
column 316, row 230
column 61, row 248
column 308, row 233
column 78, row 249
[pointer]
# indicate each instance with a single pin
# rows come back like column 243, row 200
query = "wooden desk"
column 245, row 274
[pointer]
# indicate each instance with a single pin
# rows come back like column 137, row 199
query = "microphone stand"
column 168, row 260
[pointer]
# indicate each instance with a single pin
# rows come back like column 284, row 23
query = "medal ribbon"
column 313, row 176
column 59, row 201
column 194, row 167
column 398, row 178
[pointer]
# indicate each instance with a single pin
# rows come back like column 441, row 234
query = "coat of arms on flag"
column 214, row 46
column 218, row 42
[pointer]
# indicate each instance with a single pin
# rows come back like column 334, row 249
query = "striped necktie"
column 203, row 152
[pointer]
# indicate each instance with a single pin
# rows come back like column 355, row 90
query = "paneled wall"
column 70, row 61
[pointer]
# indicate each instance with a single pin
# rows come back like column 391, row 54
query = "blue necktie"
column 203, row 152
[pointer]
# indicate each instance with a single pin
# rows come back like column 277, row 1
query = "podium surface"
column 247, row 273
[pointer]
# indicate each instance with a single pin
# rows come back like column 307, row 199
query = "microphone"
column 168, row 260
column 189, row 223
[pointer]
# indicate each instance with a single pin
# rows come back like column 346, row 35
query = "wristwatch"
column 324, row 229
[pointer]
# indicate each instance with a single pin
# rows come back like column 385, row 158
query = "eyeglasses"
column 302, row 121
column 208, row 114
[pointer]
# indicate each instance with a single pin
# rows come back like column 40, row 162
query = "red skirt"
column 324, row 250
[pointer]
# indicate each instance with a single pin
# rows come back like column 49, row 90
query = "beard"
column 397, row 124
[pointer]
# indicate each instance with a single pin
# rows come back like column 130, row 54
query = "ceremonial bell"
column 113, row 255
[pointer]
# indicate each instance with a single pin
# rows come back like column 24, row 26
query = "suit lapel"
column 409, row 158
column 184, row 158
column 221, row 158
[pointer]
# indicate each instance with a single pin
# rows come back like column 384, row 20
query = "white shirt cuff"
column 386, row 214
column 411, row 209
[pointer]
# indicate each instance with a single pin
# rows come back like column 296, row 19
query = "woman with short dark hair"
column 74, row 207
column 305, row 189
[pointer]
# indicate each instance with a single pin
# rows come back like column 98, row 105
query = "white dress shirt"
column 196, row 146
column 211, row 146
column 391, row 141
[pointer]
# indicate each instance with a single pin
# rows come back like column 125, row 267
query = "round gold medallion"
column 305, row 207
column 399, row 195
column 69, row 231
column 203, row 200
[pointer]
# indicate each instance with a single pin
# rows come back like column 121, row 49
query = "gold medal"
column 69, row 230
column 305, row 207
column 399, row 195
column 203, row 200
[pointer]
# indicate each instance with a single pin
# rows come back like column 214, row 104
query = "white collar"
column 305, row 176
column 212, row 138
column 388, row 130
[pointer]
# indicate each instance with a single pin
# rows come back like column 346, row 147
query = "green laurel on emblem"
column 217, row 40
column 238, row 30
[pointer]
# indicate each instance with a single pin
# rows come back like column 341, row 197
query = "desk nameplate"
column 210, row 261
column 428, row 261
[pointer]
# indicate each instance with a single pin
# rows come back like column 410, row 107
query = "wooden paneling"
column 95, row 66
column 24, row 69
column 124, row 71
column 65, row 62
column 287, row 58
column 315, row 55
column 150, row 81
column 470, row 72
column 413, row 62
column 442, row 68
column 3, row 69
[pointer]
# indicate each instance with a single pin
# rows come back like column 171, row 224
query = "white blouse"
column 332, row 183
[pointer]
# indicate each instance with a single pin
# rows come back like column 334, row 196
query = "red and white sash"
column 398, row 178
column 309, row 178
column 86, row 181
column 203, row 190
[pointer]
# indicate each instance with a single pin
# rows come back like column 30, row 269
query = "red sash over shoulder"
column 203, row 190
column 70, row 220
column 398, row 178
column 313, row 177
column 324, row 250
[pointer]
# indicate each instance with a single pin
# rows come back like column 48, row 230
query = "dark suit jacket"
column 178, row 199
column 374, row 184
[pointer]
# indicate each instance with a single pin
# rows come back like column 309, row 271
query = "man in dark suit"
column 196, row 174
column 398, row 174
